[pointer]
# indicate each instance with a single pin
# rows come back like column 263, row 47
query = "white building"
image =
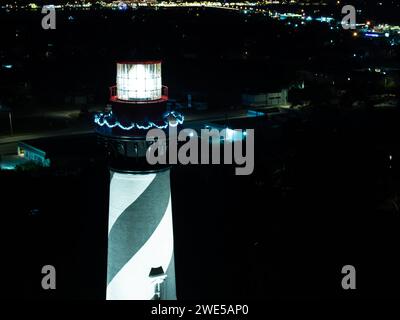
column 269, row 99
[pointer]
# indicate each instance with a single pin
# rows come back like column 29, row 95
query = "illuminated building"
column 140, row 262
column 269, row 99
column 32, row 153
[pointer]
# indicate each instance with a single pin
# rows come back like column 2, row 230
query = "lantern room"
column 138, row 81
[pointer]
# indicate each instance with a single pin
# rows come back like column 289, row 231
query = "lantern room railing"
column 114, row 97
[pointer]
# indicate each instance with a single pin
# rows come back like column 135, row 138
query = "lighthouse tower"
column 140, row 259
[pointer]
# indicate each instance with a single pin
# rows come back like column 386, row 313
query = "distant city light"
column 324, row 19
column 122, row 6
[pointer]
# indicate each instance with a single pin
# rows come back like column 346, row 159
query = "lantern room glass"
column 139, row 81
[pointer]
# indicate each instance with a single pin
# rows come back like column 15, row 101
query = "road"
column 8, row 144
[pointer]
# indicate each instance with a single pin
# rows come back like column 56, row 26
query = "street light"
column 11, row 125
column 6, row 109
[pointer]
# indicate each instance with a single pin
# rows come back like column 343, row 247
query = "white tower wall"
column 140, row 236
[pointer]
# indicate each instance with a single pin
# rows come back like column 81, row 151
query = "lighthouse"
column 140, row 256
